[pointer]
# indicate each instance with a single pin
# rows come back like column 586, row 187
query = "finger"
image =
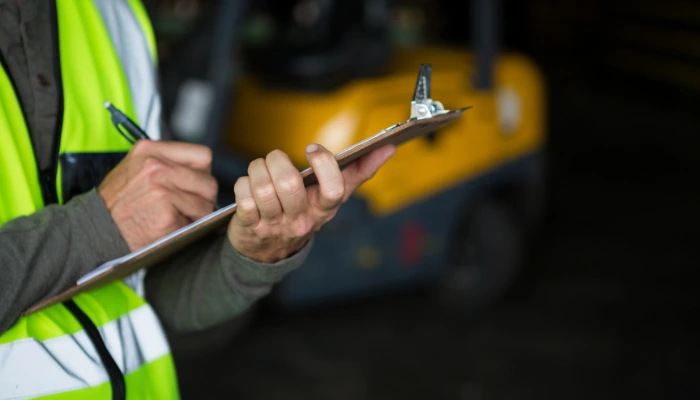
column 263, row 190
column 247, row 213
column 365, row 167
column 181, row 178
column 192, row 155
column 169, row 222
column 189, row 205
column 330, row 180
column 194, row 181
column 288, row 184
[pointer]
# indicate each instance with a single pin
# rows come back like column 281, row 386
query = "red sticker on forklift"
column 412, row 240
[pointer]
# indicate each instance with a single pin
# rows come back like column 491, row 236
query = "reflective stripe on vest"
column 137, row 54
column 70, row 362
column 106, row 52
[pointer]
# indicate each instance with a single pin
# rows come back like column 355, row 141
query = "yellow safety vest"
column 107, row 343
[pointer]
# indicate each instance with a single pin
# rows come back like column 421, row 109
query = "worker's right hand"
column 158, row 188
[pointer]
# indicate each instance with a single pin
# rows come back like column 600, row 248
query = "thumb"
column 365, row 167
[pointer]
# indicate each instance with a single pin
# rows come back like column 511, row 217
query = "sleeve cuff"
column 257, row 273
column 95, row 229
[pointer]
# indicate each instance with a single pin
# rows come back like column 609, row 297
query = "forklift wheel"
column 485, row 258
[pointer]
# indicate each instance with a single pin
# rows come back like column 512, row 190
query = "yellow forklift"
column 452, row 212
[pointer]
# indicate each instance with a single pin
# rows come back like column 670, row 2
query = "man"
column 74, row 194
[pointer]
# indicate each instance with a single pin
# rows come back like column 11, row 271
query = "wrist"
column 257, row 273
column 267, row 255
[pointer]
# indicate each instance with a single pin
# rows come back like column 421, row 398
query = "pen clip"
column 121, row 131
column 126, row 127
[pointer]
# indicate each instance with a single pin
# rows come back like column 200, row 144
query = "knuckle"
column 265, row 191
column 302, row 227
column 334, row 194
column 151, row 162
column 262, row 233
column 142, row 147
column 247, row 205
column 167, row 221
column 153, row 167
column 290, row 185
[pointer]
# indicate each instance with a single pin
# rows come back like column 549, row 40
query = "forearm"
column 46, row 252
column 212, row 283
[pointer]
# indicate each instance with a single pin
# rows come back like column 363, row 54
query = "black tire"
column 485, row 258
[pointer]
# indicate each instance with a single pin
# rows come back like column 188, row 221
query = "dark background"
column 606, row 306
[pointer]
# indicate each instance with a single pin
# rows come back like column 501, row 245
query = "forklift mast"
column 485, row 35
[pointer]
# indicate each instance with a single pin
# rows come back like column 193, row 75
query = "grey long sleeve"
column 212, row 283
column 45, row 253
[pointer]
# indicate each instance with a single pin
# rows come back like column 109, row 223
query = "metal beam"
column 221, row 65
column 485, row 23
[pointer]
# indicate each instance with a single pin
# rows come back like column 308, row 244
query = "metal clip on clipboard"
column 422, row 106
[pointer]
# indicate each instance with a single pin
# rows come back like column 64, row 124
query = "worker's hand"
column 277, row 215
column 158, row 188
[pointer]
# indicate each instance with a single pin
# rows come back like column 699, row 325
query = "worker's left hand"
column 277, row 215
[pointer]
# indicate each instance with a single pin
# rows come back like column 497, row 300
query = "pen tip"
column 107, row 104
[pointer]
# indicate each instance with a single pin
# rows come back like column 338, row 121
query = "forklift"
column 452, row 213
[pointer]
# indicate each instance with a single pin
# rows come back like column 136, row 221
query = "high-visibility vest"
column 106, row 342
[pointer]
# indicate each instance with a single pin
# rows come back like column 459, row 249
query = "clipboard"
column 426, row 116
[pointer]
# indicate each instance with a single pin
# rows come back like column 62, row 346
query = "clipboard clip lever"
column 422, row 106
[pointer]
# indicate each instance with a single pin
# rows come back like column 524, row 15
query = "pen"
column 119, row 119
column 133, row 131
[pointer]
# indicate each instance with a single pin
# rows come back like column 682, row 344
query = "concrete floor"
column 606, row 308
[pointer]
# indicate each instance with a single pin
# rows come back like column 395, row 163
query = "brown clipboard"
column 426, row 116
column 180, row 239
